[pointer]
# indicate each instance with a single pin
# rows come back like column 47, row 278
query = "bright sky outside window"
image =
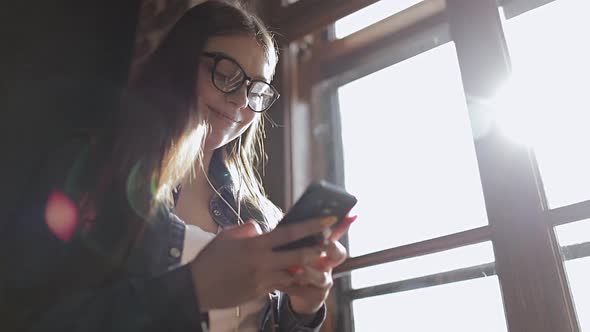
column 369, row 15
column 410, row 159
column 409, row 154
column 549, row 108
column 467, row 306
column 448, row 260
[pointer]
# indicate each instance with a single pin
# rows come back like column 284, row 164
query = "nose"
column 239, row 97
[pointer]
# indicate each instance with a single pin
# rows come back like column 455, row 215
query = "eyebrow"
column 261, row 78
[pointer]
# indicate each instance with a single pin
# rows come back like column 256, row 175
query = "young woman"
column 234, row 90
column 102, row 245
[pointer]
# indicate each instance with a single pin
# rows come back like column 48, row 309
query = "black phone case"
column 320, row 199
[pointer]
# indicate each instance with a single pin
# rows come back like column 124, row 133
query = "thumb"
column 247, row 229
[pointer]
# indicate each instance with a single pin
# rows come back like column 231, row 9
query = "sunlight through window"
column 370, row 15
column 549, row 49
column 474, row 305
column 409, row 154
column 444, row 261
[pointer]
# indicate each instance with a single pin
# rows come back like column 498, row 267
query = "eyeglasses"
column 228, row 76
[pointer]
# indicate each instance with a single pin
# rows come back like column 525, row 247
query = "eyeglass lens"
column 228, row 77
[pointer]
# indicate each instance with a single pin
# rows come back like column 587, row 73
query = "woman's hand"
column 239, row 264
column 313, row 282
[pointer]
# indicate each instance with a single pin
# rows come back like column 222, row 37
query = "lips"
column 223, row 115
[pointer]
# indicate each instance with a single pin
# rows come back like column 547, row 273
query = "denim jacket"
column 169, row 248
column 48, row 284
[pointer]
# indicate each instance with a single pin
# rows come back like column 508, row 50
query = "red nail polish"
column 342, row 228
column 295, row 269
column 350, row 219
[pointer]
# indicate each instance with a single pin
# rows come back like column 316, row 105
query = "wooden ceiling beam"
column 306, row 16
column 339, row 55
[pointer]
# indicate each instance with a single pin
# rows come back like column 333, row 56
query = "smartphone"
column 320, row 199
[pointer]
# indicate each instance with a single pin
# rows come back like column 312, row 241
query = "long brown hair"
column 161, row 134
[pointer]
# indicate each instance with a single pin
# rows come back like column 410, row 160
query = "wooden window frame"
column 311, row 61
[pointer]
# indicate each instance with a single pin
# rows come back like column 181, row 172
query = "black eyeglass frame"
column 217, row 57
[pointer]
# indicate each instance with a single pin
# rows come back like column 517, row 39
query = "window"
column 476, row 255
column 420, row 150
column 574, row 240
column 550, row 75
column 370, row 15
column 473, row 305
column 445, row 286
column 457, row 225
column 549, row 49
column 422, row 182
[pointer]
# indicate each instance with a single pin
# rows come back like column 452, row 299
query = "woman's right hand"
column 239, row 264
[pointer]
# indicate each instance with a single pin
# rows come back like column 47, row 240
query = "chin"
column 215, row 141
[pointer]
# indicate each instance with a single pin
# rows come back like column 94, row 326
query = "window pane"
column 474, row 305
column 409, row 155
column 369, row 15
column 549, row 50
column 573, row 233
column 444, row 261
column 578, row 270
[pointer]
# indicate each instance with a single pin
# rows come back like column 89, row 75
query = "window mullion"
column 514, row 8
column 569, row 213
column 531, row 275
column 422, row 248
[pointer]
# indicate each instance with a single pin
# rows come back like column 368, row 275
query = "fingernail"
column 295, row 270
column 351, row 219
column 327, row 221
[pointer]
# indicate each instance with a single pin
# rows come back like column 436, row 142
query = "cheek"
column 204, row 91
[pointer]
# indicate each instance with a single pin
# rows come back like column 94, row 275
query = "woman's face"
column 228, row 114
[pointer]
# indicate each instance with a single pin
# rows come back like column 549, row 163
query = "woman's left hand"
column 313, row 282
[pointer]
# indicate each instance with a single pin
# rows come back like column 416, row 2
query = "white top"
column 247, row 316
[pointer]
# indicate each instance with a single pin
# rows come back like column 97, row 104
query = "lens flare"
column 521, row 113
column 75, row 173
column 481, row 116
column 134, row 191
column 154, row 185
column 61, row 215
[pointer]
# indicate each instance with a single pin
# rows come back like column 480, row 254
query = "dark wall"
column 276, row 177
column 62, row 67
